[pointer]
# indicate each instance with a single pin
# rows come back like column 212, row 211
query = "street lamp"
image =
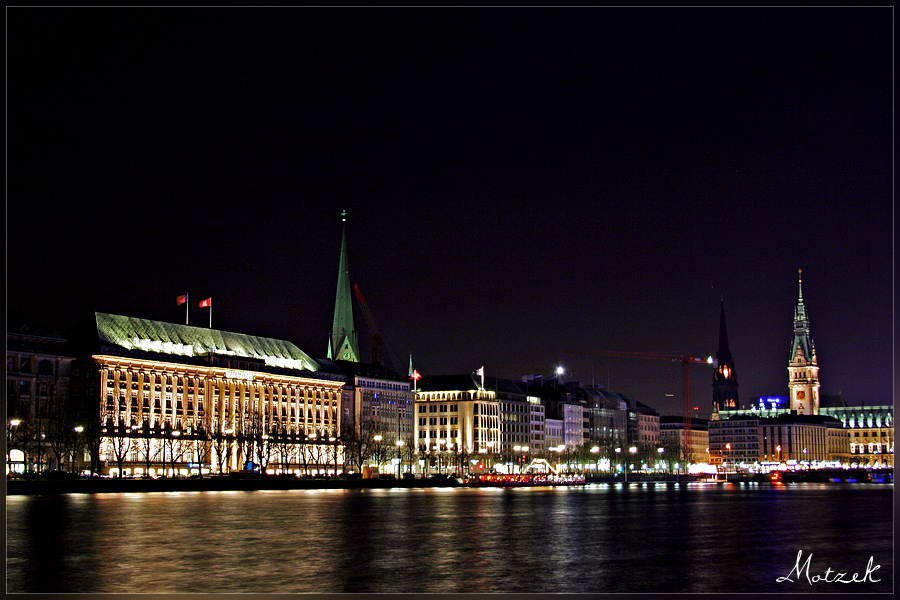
column 619, row 451
column 78, row 429
column 778, row 449
column 660, row 450
column 595, row 450
column 399, row 446
column 633, row 451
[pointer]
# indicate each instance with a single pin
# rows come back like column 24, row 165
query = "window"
column 454, row 407
column 422, row 421
column 443, row 420
column 423, row 408
column 432, row 421
column 443, row 408
column 432, row 408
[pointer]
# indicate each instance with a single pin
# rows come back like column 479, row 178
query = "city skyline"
column 518, row 183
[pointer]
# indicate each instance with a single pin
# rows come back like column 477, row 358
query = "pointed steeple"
column 803, row 369
column 725, row 394
column 723, row 334
column 803, row 345
column 343, row 344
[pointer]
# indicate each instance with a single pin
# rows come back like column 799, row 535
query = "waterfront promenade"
column 99, row 485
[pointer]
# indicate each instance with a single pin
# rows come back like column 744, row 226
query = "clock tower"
column 803, row 369
column 725, row 392
column 343, row 345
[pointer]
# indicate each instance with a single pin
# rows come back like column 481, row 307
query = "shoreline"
column 32, row 487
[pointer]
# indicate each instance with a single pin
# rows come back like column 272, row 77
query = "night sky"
column 520, row 182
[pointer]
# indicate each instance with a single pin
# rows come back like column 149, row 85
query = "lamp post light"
column 778, row 449
column 399, row 460
column 633, row 451
column 517, row 450
column 660, row 450
column 595, row 450
column 77, row 430
column 377, row 452
column 618, row 452
column 728, row 455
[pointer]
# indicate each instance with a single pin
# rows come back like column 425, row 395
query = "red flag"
column 205, row 303
column 415, row 375
column 181, row 299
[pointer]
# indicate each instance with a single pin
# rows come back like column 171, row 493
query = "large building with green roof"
column 171, row 398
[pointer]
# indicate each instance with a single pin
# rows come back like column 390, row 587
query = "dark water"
column 599, row 538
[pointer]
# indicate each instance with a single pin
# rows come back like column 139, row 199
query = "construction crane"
column 685, row 360
column 380, row 354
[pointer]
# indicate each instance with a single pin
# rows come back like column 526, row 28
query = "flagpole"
column 187, row 309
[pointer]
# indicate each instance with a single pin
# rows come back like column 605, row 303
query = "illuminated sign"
column 245, row 375
column 772, row 401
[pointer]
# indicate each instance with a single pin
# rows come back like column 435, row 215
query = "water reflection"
column 601, row 538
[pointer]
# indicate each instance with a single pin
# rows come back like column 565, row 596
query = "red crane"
column 379, row 352
column 685, row 361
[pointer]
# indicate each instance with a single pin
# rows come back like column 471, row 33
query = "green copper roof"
column 132, row 333
column 802, row 338
column 343, row 344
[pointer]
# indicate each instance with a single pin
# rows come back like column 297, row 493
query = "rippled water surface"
column 598, row 538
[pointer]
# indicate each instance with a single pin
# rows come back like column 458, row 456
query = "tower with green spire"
column 343, row 345
column 725, row 392
column 803, row 369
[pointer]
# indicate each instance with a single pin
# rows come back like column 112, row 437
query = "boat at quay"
column 524, row 479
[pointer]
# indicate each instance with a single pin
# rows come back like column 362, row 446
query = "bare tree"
column 202, row 444
column 119, row 443
column 60, row 426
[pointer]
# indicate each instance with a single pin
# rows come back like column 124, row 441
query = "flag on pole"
column 184, row 300
column 207, row 304
column 480, row 371
column 415, row 376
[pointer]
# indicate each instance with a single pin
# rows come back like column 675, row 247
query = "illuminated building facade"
column 803, row 369
column 788, row 437
column 643, row 426
column 515, row 417
column 175, row 399
column 672, row 435
column 867, row 439
column 456, row 415
column 380, row 402
column 725, row 385
column 40, row 421
column 536, row 443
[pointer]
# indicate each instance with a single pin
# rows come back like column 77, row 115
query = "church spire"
column 725, row 394
column 723, row 333
column 343, row 344
column 803, row 368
